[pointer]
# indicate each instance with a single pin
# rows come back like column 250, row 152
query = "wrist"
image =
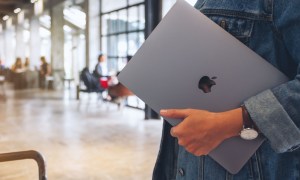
column 233, row 121
column 247, row 120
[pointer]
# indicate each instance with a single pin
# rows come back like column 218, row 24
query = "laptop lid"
column 187, row 48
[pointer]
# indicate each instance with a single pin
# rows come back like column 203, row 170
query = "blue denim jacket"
column 272, row 29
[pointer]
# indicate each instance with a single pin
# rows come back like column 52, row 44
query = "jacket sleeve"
column 276, row 112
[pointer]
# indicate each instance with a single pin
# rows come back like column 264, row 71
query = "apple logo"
column 206, row 83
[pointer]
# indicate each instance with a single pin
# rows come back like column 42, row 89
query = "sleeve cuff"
column 273, row 121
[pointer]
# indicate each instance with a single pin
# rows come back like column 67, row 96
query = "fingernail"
column 163, row 111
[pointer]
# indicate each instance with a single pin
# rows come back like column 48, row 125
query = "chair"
column 31, row 154
column 49, row 80
column 91, row 83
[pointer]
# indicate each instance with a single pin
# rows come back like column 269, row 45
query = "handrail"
column 31, row 154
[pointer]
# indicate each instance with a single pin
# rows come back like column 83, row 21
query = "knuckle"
column 181, row 142
column 198, row 153
column 174, row 132
column 190, row 150
column 184, row 142
column 205, row 152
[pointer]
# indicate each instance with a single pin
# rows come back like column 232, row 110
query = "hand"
column 202, row 131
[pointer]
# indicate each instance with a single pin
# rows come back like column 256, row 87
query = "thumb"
column 175, row 113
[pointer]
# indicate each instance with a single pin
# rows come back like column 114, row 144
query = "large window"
column 122, row 30
column 122, row 33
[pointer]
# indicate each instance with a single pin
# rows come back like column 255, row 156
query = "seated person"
column 100, row 68
column 119, row 91
column 90, row 81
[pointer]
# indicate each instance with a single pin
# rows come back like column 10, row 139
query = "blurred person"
column 31, row 75
column 17, row 66
column 2, row 66
column 27, row 64
column 45, row 70
column 100, row 68
column 18, row 74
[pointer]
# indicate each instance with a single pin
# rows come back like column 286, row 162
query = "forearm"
column 276, row 115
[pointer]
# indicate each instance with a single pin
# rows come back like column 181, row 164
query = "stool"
column 69, row 80
column 49, row 79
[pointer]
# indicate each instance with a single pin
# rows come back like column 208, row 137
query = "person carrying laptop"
column 271, row 29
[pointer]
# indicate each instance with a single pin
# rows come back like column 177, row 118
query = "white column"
column 57, row 44
column 92, row 9
column 9, row 43
column 75, row 57
column 35, row 41
column 20, row 44
column 1, row 42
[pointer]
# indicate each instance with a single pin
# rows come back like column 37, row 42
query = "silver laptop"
column 190, row 62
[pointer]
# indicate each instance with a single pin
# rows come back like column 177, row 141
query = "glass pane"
column 104, row 23
column 104, row 44
column 133, row 23
column 131, row 2
column 112, row 23
column 112, row 64
column 122, row 20
column 112, row 46
column 141, row 39
column 122, row 45
column 121, row 63
column 166, row 6
column 109, row 5
column 142, row 17
column 133, row 43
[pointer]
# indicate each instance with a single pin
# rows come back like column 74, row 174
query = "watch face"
column 249, row 134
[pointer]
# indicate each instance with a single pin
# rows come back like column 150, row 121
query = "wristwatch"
column 249, row 131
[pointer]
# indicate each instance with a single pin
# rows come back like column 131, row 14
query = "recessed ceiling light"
column 6, row 17
column 17, row 10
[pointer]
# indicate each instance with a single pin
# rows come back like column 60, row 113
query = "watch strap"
column 247, row 121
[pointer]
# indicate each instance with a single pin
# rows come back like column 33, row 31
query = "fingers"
column 175, row 113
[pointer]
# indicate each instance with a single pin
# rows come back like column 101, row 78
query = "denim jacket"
column 272, row 29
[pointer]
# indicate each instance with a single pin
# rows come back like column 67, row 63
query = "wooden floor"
column 80, row 140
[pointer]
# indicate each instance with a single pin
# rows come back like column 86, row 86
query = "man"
column 100, row 68
column 271, row 29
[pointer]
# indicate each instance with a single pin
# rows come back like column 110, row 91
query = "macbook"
column 188, row 61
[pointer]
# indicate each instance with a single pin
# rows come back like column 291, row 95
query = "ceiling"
column 7, row 6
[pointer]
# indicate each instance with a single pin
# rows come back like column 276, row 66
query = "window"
column 122, row 33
